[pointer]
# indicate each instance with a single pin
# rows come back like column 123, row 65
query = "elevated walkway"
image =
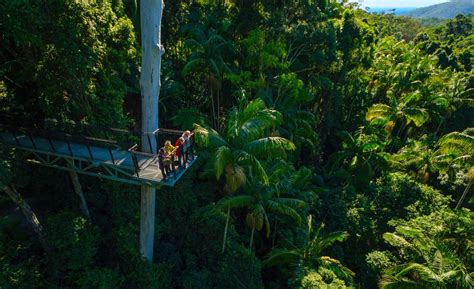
column 107, row 153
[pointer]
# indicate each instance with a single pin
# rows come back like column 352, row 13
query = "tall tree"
column 311, row 254
column 260, row 201
column 151, row 12
column 208, row 50
column 436, row 262
column 236, row 154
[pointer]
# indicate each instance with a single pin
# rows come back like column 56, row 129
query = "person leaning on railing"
column 169, row 154
column 169, row 148
column 179, row 149
column 186, row 145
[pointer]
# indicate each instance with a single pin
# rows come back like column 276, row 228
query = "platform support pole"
column 78, row 190
column 151, row 12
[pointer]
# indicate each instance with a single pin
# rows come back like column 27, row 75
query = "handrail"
column 61, row 136
column 133, row 148
column 68, row 126
column 168, row 130
column 133, row 151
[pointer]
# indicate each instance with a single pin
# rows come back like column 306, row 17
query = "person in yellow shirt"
column 169, row 151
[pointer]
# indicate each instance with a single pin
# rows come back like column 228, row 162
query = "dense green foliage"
column 334, row 145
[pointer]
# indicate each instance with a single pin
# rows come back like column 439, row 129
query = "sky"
column 398, row 3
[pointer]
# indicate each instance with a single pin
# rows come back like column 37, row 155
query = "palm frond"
column 293, row 203
column 409, row 231
column 208, row 137
column 395, row 240
column 255, row 167
column 281, row 209
column 253, row 108
column 222, row 156
column 418, row 116
column 302, row 178
column 278, row 169
column 456, row 142
column 193, row 44
column 193, row 65
column 337, row 267
column 390, row 282
column 378, row 111
column 422, row 271
column 254, row 127
column 198, row 34
column 330, row 238
column 269, row 147
column 235, row 202
column 281, row 256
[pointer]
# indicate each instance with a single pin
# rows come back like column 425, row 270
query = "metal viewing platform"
column 107, row 153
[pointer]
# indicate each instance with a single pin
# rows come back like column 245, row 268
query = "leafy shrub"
column 74, row 242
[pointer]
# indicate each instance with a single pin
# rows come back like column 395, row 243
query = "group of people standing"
column 181, row 149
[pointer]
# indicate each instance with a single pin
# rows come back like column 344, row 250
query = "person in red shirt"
column 179, row 149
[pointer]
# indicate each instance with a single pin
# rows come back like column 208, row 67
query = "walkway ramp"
column 100, row 157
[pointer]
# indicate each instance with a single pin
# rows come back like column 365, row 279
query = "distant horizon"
column 398, row 3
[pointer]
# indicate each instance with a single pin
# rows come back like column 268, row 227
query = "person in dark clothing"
column 163, row 164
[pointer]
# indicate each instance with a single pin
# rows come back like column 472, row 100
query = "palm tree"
column 260, row 201
column 237, row 154
column 208, row 49
column 311, row 253
column 443, row 270
column 456, row 148
column 359, row 155
column 401, row 112
column 417, row 93
column 451, row 150
column 299, row 124
column 417, row 157
column 245, row 142
column 431, row 259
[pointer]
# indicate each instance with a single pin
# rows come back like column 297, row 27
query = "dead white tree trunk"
column 151, row 12
column 78, row 190
column 29, row 214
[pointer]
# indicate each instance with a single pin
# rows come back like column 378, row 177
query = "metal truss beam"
column 82, row 166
